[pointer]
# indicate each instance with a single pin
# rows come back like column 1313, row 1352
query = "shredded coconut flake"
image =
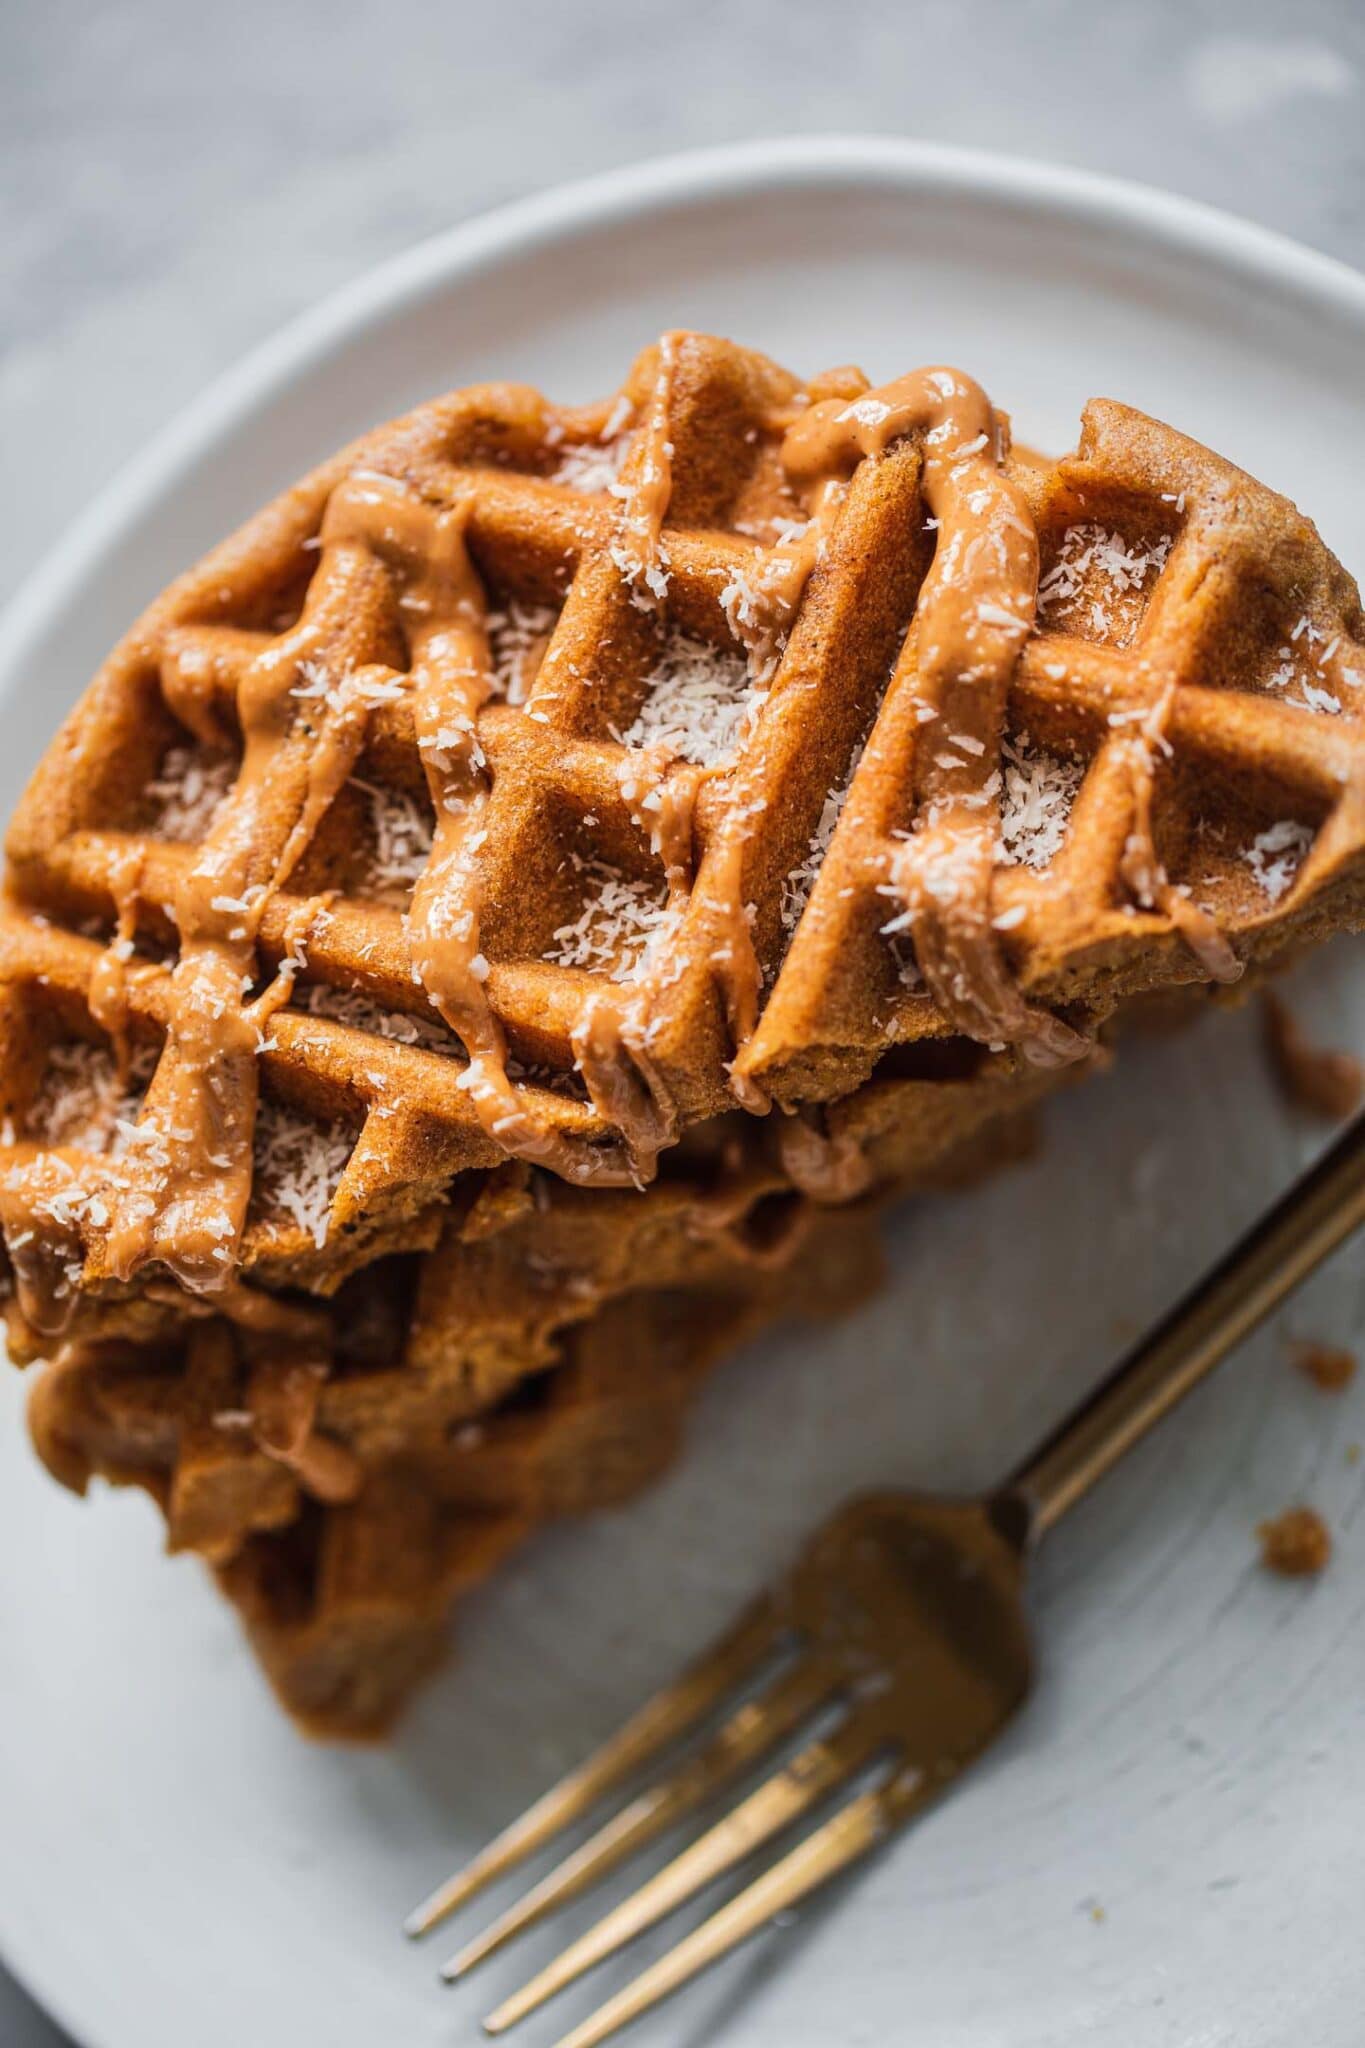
column 623, row 923
column 1037, row 791
column 189, row 791
column 363, row 1013
column 402, row 841
column 1276, row 855
column 592, row 465
column 700, row 704
column 1089, row 549
column 1302, row 674
column 83, row 1103
column 796, row 890
column 341, row 689
column 299, row 1164
column 647, row 581
column 516, row 641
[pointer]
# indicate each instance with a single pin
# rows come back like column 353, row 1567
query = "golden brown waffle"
column 516, row 811
column 344, row 1561
column 231, row 1430
column 1177, row 790
column 1040, row 737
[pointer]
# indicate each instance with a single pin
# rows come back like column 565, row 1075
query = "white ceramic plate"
column 1168, row 1847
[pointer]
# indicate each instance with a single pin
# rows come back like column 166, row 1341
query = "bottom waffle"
column 350, row 1467
column 345, row 1600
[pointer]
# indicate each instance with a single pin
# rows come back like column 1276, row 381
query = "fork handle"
column 1319, row 1212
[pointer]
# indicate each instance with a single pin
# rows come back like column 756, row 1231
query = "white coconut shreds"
column 1089, row 549
column 592, row 465
column 1302, row 674
column 1037, row 790
column 363, row 1013
column 298, row 1165
column 623, row 921
column 83, row 1102
column 796, row 890
column 403, row 833
column 1276, row 855
column 700, row 703
column 339, row 689
column 188, row 792
column 517, row 639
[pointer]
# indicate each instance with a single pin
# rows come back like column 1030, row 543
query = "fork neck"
column 1321, row 1210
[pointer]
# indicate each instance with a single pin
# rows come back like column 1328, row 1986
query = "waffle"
column 344, row 1554
column 553, row 856
column 647, row 671
column 230, row 1427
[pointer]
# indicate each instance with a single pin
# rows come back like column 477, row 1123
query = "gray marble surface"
column 175, row 182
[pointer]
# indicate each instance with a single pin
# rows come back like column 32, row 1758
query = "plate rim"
column 1239, row 247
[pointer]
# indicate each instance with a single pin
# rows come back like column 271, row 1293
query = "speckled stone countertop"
column 177, row 182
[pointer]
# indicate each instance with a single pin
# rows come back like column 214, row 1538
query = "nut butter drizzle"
column 611, row 1039
column 188, row 1175
column 612, row 1043
column 1141, row 868
column 449, row 679
column 780, row 587
column 646, row 487
column 178, row 1196
column 975, row 611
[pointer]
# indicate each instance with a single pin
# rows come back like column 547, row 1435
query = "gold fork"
column 905, row 1615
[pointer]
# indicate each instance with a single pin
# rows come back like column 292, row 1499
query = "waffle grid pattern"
column 693, row 760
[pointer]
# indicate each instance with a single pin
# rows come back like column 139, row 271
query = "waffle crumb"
column 1328, row 1366
column 1297, row 1544
column 1326, row 1083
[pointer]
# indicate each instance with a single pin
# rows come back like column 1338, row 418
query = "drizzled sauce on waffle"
column 396, row 611
column 975, row 611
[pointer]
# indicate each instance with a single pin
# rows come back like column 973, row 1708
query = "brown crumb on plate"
column 1329, row 1366
column 1296, row 1544
column 1327, row 1084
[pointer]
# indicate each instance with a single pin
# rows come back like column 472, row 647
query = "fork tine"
column 814, row 1771
column 753, row 1729
column 849, row 1834
column 669, row 1714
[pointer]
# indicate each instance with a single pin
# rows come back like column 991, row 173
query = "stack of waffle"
column 489, row 932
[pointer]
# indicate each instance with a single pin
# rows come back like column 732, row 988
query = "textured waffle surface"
column 344, row 1547
column 483, row 923
column 704, row 758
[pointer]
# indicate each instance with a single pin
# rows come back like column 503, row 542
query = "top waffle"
column 536, row 781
